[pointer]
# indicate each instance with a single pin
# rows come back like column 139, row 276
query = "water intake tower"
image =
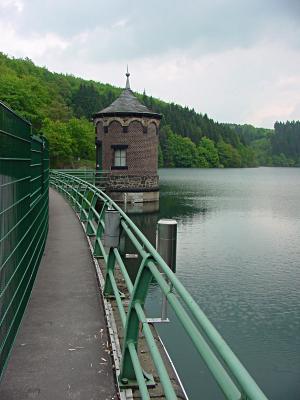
column 127, row 146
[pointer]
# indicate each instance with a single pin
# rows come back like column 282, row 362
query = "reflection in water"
column 171, row 204
column 146, row 221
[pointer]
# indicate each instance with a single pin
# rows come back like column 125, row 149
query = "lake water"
column 239, row 256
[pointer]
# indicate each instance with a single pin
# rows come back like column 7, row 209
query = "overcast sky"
column 236, row 60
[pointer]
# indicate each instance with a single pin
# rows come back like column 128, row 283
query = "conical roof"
column 127, row 104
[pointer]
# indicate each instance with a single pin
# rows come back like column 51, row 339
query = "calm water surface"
column 239, row 256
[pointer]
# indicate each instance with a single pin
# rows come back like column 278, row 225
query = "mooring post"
column 112, row 228
column 166, row 241
column 166, row 244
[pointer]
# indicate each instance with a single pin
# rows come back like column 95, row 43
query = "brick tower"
column 127, row 146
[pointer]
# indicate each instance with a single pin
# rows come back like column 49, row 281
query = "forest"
column 60, row 107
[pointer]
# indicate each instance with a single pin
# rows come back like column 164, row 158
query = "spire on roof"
column 126, row 104
column 127, row 80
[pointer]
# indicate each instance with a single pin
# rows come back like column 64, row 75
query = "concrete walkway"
column 61, row 348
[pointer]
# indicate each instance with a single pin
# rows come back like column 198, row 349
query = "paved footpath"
column 61, row 348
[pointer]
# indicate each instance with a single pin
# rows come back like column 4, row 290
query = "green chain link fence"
column 24, row 169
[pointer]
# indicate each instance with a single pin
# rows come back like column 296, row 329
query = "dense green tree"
column 248, row 157
column 248, row 133
column 69, row 141
column 201, row 160
column 263, row 151
column 86, row 101
column 160, row 161
column 60, row 143
column 210, row 152
column 183, row 150
column 286, row 142
column 280, row 160
column 82, row 133
column 228, row 155
column 165, row 133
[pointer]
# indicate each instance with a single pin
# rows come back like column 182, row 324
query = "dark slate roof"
column 127, row 104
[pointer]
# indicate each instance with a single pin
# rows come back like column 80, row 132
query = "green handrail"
column 95, row 177
column 231, row 376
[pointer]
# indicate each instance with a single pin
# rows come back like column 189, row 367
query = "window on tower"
column 120, row 157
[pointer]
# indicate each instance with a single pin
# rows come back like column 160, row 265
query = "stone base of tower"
column 133, row 188
column 135, row 197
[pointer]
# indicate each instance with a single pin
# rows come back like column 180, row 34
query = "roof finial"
column 127, row 80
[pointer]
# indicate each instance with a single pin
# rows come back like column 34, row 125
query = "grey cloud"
column 133, row 29
column 295, row 115
column 237, row 60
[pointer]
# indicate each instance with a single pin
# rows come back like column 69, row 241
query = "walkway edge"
column 110, row 319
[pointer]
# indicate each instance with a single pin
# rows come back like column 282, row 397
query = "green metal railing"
column 98, row 178
column 229, row 373
column 24, row 166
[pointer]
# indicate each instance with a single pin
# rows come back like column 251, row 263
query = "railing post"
column 77, row 198
column 73, row 195
column 89, row 229
column 83, row 216
column 67, row 189
column 111, row 240
column 61, row 185
column 97, row 248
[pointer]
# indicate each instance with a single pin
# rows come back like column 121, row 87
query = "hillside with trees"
column 278, row 147
column 286, row 144
column 60, row 107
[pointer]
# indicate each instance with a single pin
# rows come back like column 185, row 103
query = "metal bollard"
column 166, row 241
column 111, row 237
column 166, row 244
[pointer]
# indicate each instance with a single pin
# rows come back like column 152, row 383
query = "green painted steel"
column 98, row 178
column 24, row 167
column 231, row 376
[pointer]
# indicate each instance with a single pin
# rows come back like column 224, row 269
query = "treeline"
column 286, row 144
column 278, row 147
column 258, row 139
column 179, row 151
column 60, row 106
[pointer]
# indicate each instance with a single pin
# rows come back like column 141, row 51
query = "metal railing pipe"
column 138, row 372
column 124, row 271
column 156, row 357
